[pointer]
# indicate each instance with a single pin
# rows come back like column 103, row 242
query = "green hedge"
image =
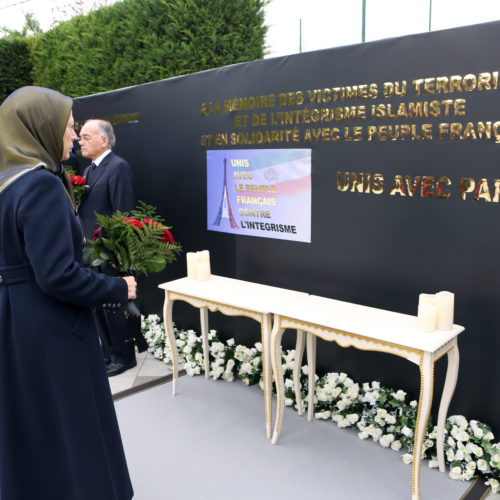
column 137, row 41
column 15, row 65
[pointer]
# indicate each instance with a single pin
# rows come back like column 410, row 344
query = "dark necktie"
column 91, row 172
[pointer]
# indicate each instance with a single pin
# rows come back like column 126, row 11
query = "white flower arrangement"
column 374, row 411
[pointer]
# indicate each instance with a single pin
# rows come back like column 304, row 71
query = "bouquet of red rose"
column 137, row 242
column 133, row 243
column 79, row 185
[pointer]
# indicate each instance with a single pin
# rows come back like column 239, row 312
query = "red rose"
column 134, row 222
column 150, row 222
column 77, row 180
column 167, row 236
column 96, row 234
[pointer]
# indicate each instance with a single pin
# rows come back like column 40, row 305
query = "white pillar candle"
column 426, row 320
column 427, row 298
column 204, row 255
column 203, row 270
column 191, row 261
column 445, row 302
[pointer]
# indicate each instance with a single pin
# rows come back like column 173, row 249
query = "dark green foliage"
column 137, row 41
column 15, row 65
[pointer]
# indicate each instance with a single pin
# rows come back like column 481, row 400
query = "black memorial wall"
column 405, row 140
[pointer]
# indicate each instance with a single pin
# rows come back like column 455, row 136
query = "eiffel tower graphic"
column 225, row 208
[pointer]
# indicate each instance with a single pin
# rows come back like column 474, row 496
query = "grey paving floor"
column 148, row 368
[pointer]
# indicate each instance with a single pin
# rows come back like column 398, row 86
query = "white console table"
column 234, row 298
column 369, row 329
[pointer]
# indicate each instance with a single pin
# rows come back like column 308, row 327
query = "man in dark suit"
column 111, row 188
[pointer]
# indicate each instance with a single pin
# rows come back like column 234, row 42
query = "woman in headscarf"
column 59, row 437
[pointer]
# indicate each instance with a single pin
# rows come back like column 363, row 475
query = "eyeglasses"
column 87, row 138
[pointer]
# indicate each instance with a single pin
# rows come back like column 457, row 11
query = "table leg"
column 276, row 335
column 169, row 330
column 299, row 354
column 204, row 339
column 311, row 362
column 424, row 407
column 267, row 372
column 449, row 387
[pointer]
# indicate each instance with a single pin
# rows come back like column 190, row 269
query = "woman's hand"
column 132, row 287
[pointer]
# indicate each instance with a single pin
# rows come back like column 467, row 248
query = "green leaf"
column 104, row 255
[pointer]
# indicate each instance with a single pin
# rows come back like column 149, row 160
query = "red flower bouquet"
column 79, row 185
column 138, row 243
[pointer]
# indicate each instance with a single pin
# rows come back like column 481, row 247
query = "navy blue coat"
column 59, row 437
column 111, row 189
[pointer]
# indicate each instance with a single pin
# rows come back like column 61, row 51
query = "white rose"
column 451, row 442
column 246, row 368
column 322, row 395
column 386, row 440
column 396, row 445
column 462, row 436
column 495, row 460
column 376, row 385
column 288, row 401
column 376, row 434
column 400, row 395
column 381, row 412
column 433, row 464
column 353, row 418
column 390, row 419
column 495, row 485
column 336, row 417
column 478, row 432
column 340, row 405
column 323, row 414
column 456, row 473
column 406, row 431
column 363, row 435
column 471, row 466
column 413, row 404
column 407, row 458
column 344, row 423
column 336, row 392
column 450, row 455
column 482, row 465
column 230, row 342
